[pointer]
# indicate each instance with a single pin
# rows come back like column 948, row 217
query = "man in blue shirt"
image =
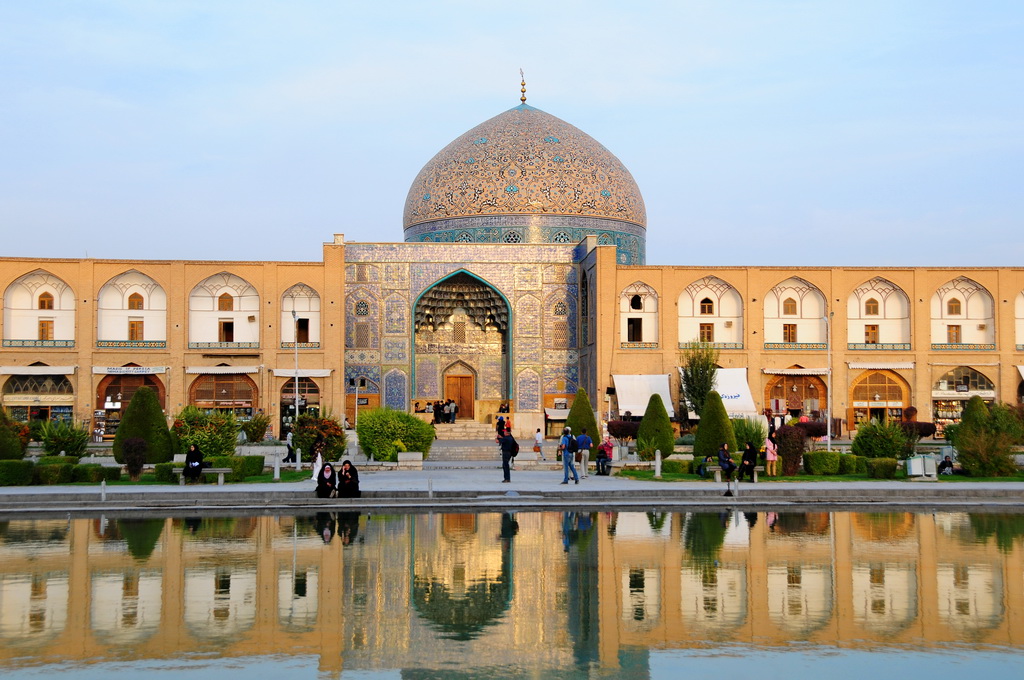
column 585, row 443
column 567, row 445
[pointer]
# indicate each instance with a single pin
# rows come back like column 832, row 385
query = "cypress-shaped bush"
column 882, row 468
column 714, row 429
column 655, row 433
column 581, row 415
column 16, row 472
column 144, row 419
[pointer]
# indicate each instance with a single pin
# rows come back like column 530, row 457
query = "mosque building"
column 521, row 278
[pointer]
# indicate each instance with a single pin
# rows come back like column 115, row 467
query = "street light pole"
column 295, row 378
column 828, row 377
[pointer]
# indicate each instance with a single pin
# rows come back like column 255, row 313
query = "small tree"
column 213, row 433
column 715, row 429
column 144, row 419
column 880, row 440
column 20, row 430
column 308, row 426
column 699, row 362
column 655, row 433
column 623, row 430
column 581, row 415
column 984, row 438
column 792, row 443
column 134, row 451
column 256, row 427
column 59, row 435
column 10, row 445
column 383, row 432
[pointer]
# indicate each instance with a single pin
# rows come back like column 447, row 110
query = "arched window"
column 636, row 302
column 225, row 303
column 789, row 306
column 871, row 307
column 134, row 301
column 707, row 306
column 45, row 301
column 953, row 307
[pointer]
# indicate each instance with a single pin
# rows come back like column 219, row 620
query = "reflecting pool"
column 529, row 594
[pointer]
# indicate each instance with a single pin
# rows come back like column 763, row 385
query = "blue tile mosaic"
column 396, row 390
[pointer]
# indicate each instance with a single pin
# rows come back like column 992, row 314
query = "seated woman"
column 349, row 482
column 193, row 464
column 327, row 482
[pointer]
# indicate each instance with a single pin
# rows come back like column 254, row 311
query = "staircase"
column 465, row 430
column 451, row 450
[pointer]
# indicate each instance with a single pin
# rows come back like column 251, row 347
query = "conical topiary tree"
column 144, row 419
column 581, row 415
column 655, row 433
column 714, row 429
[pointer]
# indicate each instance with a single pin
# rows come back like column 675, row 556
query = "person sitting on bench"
column 748, row 462
column 725, row 461
column 193, row 465
column 604, row 457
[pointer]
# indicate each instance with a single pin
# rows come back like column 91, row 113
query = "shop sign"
column 951, row 394
column 129, row 370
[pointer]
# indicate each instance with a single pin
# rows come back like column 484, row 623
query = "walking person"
column 584, row 444
column 290, row 458
column 509, row 448
column 567, row 446
column 538, row 444
column 771, row 455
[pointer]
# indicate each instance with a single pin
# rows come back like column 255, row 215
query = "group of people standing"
column 573, row 449
column 443, row 411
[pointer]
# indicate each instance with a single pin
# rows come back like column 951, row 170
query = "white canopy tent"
column 634, row 391
column 732, row 385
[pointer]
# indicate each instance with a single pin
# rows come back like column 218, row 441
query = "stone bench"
column 717, row 469
column 220, row 472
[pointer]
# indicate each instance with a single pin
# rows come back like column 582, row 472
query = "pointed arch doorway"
column 462, row 344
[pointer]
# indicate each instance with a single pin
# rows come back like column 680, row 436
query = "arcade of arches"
column 879, row 395
column 236, row 393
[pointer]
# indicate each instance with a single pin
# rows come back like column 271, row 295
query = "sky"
column 760, row 132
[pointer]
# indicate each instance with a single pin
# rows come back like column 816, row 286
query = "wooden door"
column 460, row 389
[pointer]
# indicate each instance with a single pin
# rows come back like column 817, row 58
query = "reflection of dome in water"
column 526, row 176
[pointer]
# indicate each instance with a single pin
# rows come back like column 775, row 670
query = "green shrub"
column 581, row 415
column 256, row 427
column 57, row 460
column 60, row 435
column 880, row 440
column 714, row 429
column 753, row 430
column 16, row 472
column 822, row 462
column 791, row 442
column 11, row 447
column 308, row 426
column 145, row 420
column 236, row 463
column 686, row 440
column 655, row 433
column 862, row 465
column 676, row 467
column 94, row 473
column 847, row 464
column 252, row 465
column 53, row 474
column 213, row 433
column 134, row 451
column 985, row 437
column 380, row 428
column 165, row 473
column 882, row 468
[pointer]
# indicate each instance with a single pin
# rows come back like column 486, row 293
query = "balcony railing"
column 302, row 345
column 962, row 346
column 879, row 346
column 795, row 345
column 638, row 345
column 716, row 345
column 39, row 343
column 223, row 345
column 131, row 344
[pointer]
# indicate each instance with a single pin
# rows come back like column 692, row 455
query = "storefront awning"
column 556, row 413
column 221, row 370
column 303, row 372
column 1020, row 369
column 731, row 384
column 37, row 370
column 634, row 391
column 795, row 371
column 128, row 370
column 882, row 365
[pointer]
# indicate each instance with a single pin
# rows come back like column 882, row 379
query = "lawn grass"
column 648, row 475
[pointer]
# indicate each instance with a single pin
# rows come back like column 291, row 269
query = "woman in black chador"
column 327, row 482
column 348, row 484
column 193, row 464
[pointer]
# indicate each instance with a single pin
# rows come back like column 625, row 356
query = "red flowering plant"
column 308, row 426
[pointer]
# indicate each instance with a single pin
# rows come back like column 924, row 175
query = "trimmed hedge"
column 253, row 465
column 882, row 468
column 165, row 472
column 862, row 465
column 49, row 475
column 676, row 467
column 95, row 473
column 236, row 463
column 16, row 472
column 822, row 462
column 58, row 460
column 847, row 464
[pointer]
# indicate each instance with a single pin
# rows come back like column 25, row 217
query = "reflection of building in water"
column 400, row 587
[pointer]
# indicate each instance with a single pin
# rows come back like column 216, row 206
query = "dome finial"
column 523, row 86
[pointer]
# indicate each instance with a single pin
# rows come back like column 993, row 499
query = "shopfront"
column 953, row 389
column 309, row 400
column 38, row 393
column 797, row 392
column 115, row 391
column 226, row 389
column 879, row 395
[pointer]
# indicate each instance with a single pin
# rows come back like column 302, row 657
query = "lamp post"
column 828, row 377
column 295, row 379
